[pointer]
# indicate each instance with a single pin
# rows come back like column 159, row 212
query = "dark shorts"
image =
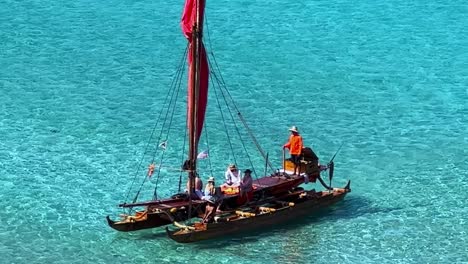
column 295, row 158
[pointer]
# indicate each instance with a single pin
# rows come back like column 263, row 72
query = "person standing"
column 246, row 188
column 295, row 146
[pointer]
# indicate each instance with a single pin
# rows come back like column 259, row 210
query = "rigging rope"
column 223, row 84
column 168, row 133
column 169, row 111
column 224, row 122
column 145, row 151
column 236, row 127
column 208, row 146
column 182, row 158
column 254, row 139
column 174, row 83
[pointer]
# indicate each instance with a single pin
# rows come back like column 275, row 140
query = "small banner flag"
column 203, row 155
column 163, row 145
column 151, row 170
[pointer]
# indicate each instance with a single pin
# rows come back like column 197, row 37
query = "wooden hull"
column 158, row 213
column 153, row 220
column 258, row 222
column 156, row 216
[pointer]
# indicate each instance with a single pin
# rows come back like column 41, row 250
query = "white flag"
column 163, row 145
column 203, row 155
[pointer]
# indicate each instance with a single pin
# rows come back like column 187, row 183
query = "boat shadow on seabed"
column 357, row 206
column 144, row 234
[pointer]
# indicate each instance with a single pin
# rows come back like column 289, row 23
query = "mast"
column 192, row 27
column 194, row 98
column 192, row 122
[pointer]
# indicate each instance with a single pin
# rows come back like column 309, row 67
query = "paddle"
column 331, row 165
column 284, row 165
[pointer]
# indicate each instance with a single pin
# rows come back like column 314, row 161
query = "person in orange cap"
column 295, row 146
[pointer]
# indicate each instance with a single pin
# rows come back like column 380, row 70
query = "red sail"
column 189, row 18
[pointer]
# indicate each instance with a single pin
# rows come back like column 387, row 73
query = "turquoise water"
column 81, row 82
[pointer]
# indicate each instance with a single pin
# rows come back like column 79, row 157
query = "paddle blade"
column 331, row 169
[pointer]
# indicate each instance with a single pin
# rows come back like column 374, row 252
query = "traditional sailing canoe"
column 163, row 212
column 159, row 212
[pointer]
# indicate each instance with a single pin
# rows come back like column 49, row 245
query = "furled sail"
column 189, row 19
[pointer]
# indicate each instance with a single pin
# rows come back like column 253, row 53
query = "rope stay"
column 208, row 148
column 182, row 158
column 145, row 151
column 226, row 130
column 175, row 88
column 167, row 138
column 228, row 112
column 236, row 127
column 224, row 89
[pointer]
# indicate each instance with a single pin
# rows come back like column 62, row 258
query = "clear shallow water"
column 80, row 83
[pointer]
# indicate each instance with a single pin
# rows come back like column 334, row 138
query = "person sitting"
column 232, row 175
column 210, row 211
column 198, row 185
column 210, row 189
column 246, row 188
column 214, row 199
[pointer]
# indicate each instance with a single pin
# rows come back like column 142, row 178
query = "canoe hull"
column 153, row 220
column 266, row 186
column 153, row 216
column 259, row 222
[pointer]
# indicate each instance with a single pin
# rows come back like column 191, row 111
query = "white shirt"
column 233, row 177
